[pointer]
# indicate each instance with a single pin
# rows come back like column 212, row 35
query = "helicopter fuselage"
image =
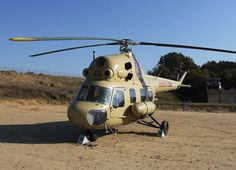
column 116, row 92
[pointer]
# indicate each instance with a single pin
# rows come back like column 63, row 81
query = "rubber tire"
column 92, row 137
column 165, row 127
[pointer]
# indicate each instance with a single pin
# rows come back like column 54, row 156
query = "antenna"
column 159, row 73
column 179, row 71
column 94, row 54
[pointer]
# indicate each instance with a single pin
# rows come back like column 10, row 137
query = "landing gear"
column 164, row 126
column 92, row 137
column 114, row 130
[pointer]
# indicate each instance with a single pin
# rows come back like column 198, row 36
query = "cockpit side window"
column 118, row 99
column 82, row 93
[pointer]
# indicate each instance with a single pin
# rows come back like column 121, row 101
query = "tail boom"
column 160, row 84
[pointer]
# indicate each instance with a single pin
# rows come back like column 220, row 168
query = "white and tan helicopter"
column 116, row 91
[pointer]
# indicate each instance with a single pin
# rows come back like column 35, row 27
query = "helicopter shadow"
column 41, row 133
column 50, row 133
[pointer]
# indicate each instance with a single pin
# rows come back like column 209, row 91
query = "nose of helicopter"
column 77, row 114
column 81, row 114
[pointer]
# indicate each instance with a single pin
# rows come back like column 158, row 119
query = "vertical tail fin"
column 183, row 76
column 182, row 79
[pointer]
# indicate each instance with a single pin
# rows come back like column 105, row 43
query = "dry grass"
column 30, row 85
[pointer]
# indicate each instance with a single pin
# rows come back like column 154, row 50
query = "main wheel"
column 165, row 127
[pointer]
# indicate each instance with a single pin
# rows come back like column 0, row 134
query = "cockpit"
column 94, row 94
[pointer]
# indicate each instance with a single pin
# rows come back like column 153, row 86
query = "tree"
column 173, row 63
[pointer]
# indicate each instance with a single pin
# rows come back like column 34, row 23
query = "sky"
column 209, row 23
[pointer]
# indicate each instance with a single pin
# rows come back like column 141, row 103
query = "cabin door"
column 117, row 107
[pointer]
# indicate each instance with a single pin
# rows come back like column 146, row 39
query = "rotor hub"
column 125, row 45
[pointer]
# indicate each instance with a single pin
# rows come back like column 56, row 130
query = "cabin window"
column 132, row 95
column 150, row 95
column 118, row 98
column 143, row 95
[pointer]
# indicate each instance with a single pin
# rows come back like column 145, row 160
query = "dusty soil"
column 38, row 136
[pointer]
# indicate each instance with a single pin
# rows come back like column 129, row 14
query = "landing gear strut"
column 164, row 126
column 92, row 136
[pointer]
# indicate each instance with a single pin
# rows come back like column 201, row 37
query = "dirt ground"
column 39, row 136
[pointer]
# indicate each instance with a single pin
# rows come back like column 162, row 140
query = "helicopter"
column 116, row 91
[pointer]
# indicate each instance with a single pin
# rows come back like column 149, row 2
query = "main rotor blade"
column 60, row 38
column 188, row 47
column 72, row 48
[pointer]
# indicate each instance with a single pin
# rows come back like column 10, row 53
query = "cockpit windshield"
column 94, row 94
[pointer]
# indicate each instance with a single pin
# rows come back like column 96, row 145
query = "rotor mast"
column 125, row 45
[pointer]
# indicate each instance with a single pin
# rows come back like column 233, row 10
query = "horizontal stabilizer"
column 184, row 85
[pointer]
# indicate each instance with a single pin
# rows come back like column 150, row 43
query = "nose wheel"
column 92, row 137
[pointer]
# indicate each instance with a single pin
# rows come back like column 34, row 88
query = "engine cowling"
column 140, row 109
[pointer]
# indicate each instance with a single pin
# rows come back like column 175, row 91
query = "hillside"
column 38, row 86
